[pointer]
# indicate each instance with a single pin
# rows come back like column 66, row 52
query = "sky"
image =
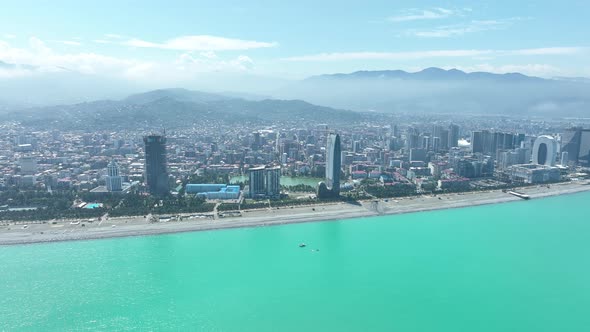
column 171, row 42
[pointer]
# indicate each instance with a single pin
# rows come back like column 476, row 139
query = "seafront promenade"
column 68, row 230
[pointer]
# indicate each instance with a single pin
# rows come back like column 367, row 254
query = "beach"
column 68, row 230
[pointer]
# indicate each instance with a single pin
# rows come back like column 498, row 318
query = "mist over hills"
column 176, row 108
column 432, row 90
column 60, row 87
column 25, row 86
column 431, row 73
column 445, row 91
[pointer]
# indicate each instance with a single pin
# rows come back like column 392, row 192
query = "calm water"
column 521, row 266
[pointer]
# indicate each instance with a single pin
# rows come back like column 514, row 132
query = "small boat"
column 302, row 245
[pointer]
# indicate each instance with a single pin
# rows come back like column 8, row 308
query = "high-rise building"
column 508, row 158
column 28, row 165
column 413, row 141
column 356, row 146
column 395, row 131
column 273, row 181
column 156, row 173
column 257, row 144
column 113, row 180
column 545, row 151
column 333, row 163
column 570, row 143
column 264, row 182
column 443, row 136
column 584, row 154
column 444, row 140
column 436, row 144
column 418, row 155
column 453, row 136
column 426, row 143
column 564, row 158
column 518, row 140
column 576, row 142
column 256, row 186
column 489, row 142
column 509, row 140
column 477, row 142
column 437, row 131
column 498, row 143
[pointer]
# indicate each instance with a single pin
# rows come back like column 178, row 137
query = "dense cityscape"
column 294, row 166
column 53, row 174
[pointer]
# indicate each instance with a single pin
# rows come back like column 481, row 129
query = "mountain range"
column 445, row 91
column 176, row 108
column 432, row 90
column 427, row 74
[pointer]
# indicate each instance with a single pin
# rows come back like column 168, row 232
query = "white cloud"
column 208, row 54
column 415, row 14
column 242, row 62
column 67, row 42
column 9, row 36
column 38, row 46
column 113, row 36
column 38, row 58
column 205, row 63
column 346, row 56
column 44, row 59
column 550, row 51
column 201, row 43
column 464, row 28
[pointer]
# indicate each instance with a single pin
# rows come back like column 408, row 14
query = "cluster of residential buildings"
column 428, row 155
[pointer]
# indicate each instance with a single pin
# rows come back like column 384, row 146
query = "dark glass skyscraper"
column 453, row 136
column 576, row 142
column 477, row 141
column 156, row 175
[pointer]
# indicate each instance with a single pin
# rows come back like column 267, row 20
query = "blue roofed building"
column 213, row 191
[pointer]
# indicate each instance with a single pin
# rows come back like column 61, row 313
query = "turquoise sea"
column 522, row 266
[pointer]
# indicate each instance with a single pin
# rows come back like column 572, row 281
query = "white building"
column 113, row 179
column 532, row 174
column 545, row 151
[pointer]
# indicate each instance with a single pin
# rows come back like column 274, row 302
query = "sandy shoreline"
column 138, row 226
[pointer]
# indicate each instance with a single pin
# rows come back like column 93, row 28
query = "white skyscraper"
column 564, row 158
column 113, row 179
column 545, row 151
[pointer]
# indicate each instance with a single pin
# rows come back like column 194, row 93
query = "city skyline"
column 238, row 166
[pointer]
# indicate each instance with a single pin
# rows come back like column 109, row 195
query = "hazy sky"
column 174, row 41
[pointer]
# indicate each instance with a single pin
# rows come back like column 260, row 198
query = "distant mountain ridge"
column 432, row 73
column 436, row 90
column 432, row 90
column 177, row 108
column 178, row 94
